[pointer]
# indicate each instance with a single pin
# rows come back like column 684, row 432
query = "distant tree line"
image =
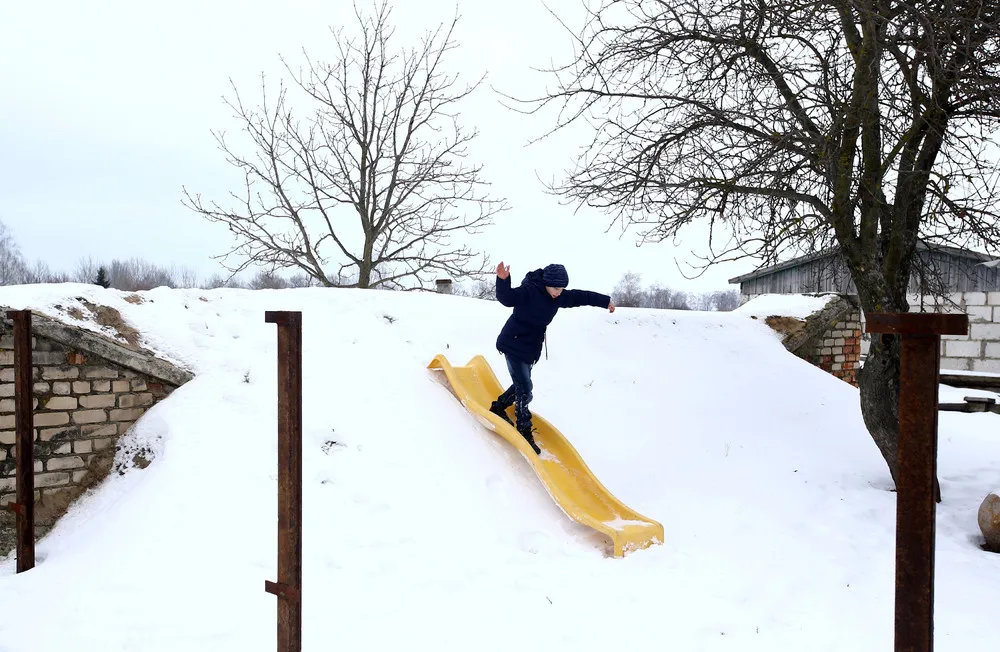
column 130, row 275
column 135, row 275
column 630, row 293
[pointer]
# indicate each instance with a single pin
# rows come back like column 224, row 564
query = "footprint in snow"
column 533, row 542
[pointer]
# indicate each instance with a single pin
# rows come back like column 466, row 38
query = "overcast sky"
column 108, row 105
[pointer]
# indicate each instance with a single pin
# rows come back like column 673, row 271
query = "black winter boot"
column 531, row 440
column 501, row 412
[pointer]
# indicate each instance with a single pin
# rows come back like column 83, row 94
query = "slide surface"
column 560, row 468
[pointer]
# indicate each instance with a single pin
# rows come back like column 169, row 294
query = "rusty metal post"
column 25, row 441
column 288, row 588
column 920, row 368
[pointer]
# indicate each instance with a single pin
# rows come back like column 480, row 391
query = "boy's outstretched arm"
column 577, row 298
column 506, row 295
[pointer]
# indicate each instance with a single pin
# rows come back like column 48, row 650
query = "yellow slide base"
column 560, row 468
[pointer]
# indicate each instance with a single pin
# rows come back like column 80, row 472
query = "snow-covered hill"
column 423, row 528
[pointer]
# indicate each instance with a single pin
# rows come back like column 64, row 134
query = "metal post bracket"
column 282, row 590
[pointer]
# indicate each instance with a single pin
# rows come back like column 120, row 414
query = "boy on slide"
column 535, row 302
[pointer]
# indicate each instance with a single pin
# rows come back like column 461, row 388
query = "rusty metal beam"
column 24, row 472
column 917, row 323
column 917, row 469
column 288, row 588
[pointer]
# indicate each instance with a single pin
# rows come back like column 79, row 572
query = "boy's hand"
column 503, row 272
column 611, row 306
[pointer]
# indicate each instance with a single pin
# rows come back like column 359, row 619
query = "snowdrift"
column 421, row 526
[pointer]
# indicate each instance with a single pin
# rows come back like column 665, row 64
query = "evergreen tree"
column 102, row 278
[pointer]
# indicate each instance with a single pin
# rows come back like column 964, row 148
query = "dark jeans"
column 518, row 394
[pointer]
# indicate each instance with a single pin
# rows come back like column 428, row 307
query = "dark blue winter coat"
column 524, row 333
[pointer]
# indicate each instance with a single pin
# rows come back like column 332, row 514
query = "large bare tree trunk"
column 848, row 125
column 878, row 381
column 879, row 384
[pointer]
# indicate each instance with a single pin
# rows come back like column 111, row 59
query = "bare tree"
column 372, row 176
column 271, row 280
column 40, row 272
column 136, row 274
column 268, row 280
column 485, row 289
column 301, row 281
column 220, row 281
column 719, row 300
column 12, row 268
column 725, row 300
column 132, row 274
column 87, row 270
column 664, row 298
column 186, row 277
column 481, row 288
column 792, row 126
column 628, row 293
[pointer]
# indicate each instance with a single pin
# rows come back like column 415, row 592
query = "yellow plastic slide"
column 560, row 467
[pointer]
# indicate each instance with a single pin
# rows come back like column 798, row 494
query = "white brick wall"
column 969, row 349
column 975, row 298
column 983, row 331
column 989, row 366
column 979, row 350
column 983, row 309
column 980, row 313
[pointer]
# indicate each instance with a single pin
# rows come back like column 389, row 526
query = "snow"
column 962, row 372
column 799, row 306
column 949, row 394
column 423, row 527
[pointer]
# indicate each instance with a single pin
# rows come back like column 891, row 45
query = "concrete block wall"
column 82, row 406
column 980, row 349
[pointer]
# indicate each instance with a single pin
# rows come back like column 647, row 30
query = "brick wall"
column 838, row 350
column 841, row 348
column 83, row 405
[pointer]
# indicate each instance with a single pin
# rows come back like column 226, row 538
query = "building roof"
column 988, row 261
